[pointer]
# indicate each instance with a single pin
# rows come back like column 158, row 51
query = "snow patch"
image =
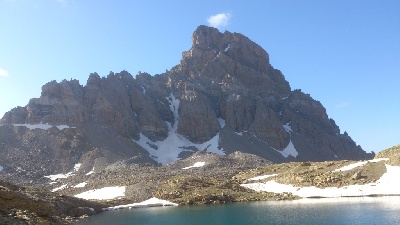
column 59, row 176
column 388, row 184
column 288, row 128
column 61, row 127
column 197, row 164
column 239, row 133
column 77, row 166
column 105, row 193
column 34, row 126
column 59, row 188
column 63, row 176
column 167, row 150
column 263, row 177
column 351, row 166
column 148, row 203
column 1, row 168
column 357, row 164
column 90, row 172
column 143, row 90
column 289, row 150
column 173, row 105
column 83, row 184
column 42, row 126
column 227, row 48
column 221, row 122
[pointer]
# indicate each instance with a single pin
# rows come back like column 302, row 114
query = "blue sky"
column 345, row 54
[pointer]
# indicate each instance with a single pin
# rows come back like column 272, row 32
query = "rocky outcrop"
column 392, row 153
column 224, row 96
column 268, row 127
column 239, row 112
column 20, row 205
column 197, row 119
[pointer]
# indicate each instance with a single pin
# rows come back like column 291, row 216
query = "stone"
column 356, row 176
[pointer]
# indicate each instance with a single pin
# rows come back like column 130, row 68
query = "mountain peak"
column 209, row 38
column 223, row 97
column 206, row 38
column 208, row 44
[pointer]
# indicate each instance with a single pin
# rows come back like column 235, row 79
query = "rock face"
column 393, row 154
column 197, row 119
column 224, row 96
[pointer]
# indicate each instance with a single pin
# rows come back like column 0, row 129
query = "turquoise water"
column 383, row 210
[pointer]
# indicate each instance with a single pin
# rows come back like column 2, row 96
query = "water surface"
column 382, row 210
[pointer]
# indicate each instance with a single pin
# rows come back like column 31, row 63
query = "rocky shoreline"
column 22, row 205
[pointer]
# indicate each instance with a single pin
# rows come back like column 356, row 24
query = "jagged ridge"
column 224, row 90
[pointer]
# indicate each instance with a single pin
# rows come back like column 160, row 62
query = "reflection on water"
column 366, row 210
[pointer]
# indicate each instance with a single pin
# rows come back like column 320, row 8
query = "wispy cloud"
column 3, row 73
column 343, row 104
column 219, row 20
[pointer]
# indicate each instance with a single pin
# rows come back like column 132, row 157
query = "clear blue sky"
column 344, row 53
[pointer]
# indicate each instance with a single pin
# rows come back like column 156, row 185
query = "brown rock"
column 197, row 119
column 356, row 176
column 150, row 121
column 267, row 127
column 239, row 112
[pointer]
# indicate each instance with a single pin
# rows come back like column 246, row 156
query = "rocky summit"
column 224, row 96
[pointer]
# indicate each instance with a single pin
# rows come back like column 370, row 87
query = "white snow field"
column 197, row 164
column 108, row 193
column 105, row 193
column 357, row 164
column 167, row 150
column 63, row 176
column 42, row 126
column 289, row 150
column 388, row 184
column 263, row 177
column 152, row 202
column 83, row 184
column 59, row 188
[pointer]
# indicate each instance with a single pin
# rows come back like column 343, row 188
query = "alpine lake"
column 355, row 210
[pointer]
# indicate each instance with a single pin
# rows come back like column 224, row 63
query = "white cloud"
column 3, row 73
column 219, row 20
